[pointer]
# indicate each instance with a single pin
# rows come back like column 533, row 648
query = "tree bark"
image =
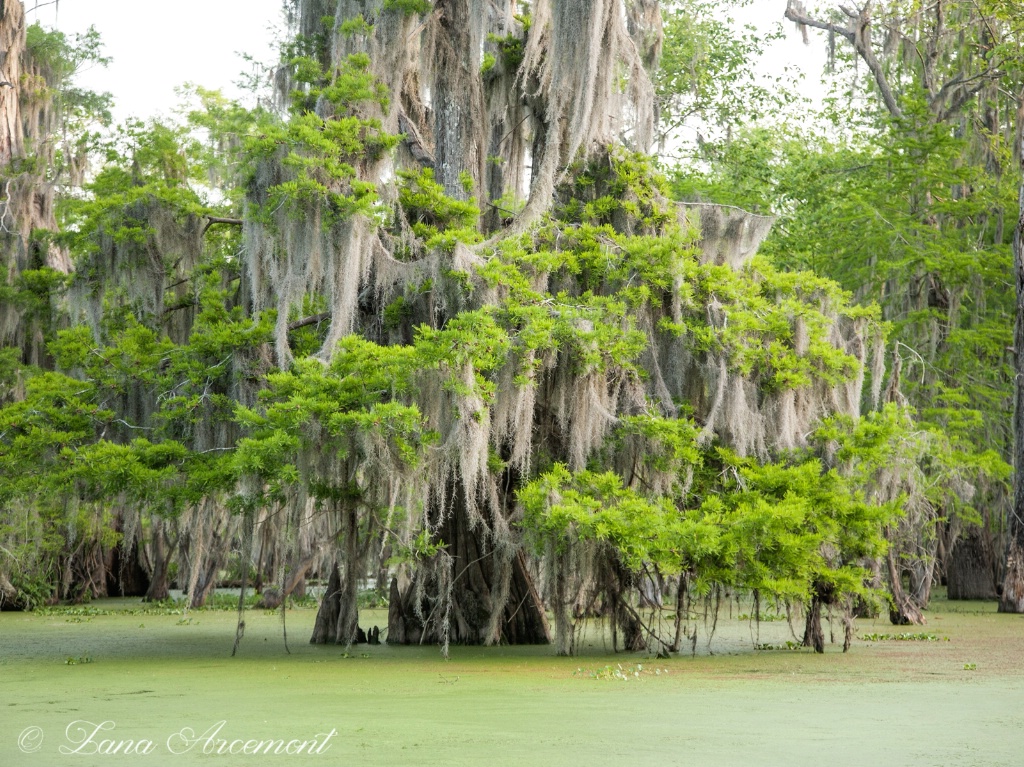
column 814, row 636
column 1012, row 598
column 921, row 575
column 10, row 600
column 160, row 556
column 337, row 621
column 970, row 572
column 12, row 43
column 325, row 628
column 206, row 584
column 477, row 578
column 459, row 137
column 902, row 611
column 271, row 597
column 396, row 615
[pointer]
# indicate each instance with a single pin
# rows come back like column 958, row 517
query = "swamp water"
column 164, row 686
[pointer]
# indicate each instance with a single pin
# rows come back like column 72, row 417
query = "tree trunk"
column 126, row 577
column 271, row 597
column 459, row 139
column 84, row 573
column 970, row 572
column 628, row 623
column 619, row 583
column 682, row 608
column 337, row 621
column 160, row 556
column 206, row 584
column 814, row 636
column 396, row 616
column 1012, row 598
column 477, row 577
column 921, row 576
column 325, row 628
column 12, row 43
column 902, row 611
column 10, row 600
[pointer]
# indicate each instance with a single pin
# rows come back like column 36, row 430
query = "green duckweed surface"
column 166, row 684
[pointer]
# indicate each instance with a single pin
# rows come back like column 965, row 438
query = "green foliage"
column 168, row 416
column 708, row 76
column 322, row 153
column 432, row 213
column 760, row 309
column 623, row 186
column 149, row 169
column 909, row 204
column 336, row 411
column 59, row 58
column 408, row 7
column 510, row 49
column 355, row 26
column 222, row 127
column 786, row 529
column 41, row 439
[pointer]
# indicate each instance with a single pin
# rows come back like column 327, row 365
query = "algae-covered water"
column 165, row 688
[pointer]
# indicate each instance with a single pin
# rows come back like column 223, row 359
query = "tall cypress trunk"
column 458, row 98
column 970, row 572
column 1012, row 598
column 12, row 43
column 903, row 611
column 126, row 577
column 814, row 636
column 477, row 579
column 160, row 558
column 337, row 620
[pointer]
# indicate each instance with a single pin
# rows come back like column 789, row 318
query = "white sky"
column 157, row 46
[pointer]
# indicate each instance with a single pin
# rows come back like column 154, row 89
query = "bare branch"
column 963, row 95
column 859, row 33
column 316, row 319
column 863, row 46
column 795, row 12
column 37, row 6
column 211, row 220
column 179, row 307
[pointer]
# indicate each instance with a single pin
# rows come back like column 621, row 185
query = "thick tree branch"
column 179, row 307
column 211, row 220
column 959, row 99
column 863, row 46
column 859, row 33
column 314, row 320
column 795, row 12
